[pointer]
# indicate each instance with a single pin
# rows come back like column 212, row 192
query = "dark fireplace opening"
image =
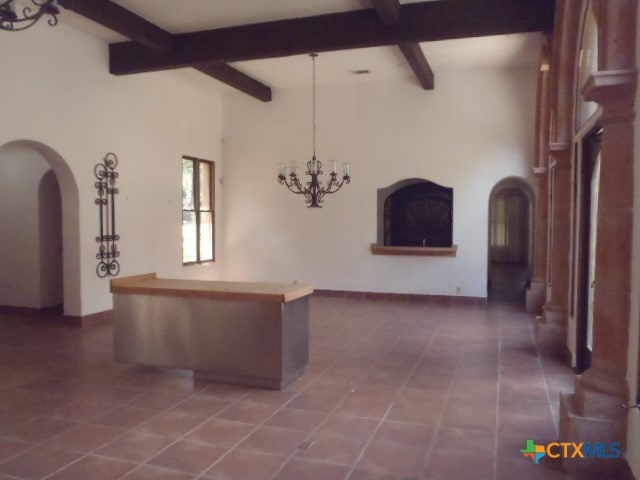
column 417, row 213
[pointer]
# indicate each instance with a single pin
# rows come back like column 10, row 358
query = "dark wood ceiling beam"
column 420, row 22
column 123, row 21
column 153, row 38
column 389, row 13
column 237, row 80
column 419, row 64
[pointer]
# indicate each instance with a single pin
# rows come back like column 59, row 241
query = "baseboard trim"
column 55, row 315
column 31, row 311
column 97, row 318
column 436, row 300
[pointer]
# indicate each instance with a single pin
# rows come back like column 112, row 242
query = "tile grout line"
column 402, row 387
column 292, row 455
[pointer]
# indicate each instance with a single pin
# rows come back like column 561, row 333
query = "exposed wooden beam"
column 419, row 64
column 153, row 38
column 237, row 80
column 123, row 21
column 389, row 13
column 420, row 22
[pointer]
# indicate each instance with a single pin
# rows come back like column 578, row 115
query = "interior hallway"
column 508, row 283
column 394, row 390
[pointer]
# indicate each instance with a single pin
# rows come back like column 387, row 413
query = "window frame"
column 198, row 211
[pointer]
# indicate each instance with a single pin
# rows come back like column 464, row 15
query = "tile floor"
column 394, row 390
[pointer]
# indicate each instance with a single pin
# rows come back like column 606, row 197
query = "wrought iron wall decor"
column 13, row 21
column 105, row 172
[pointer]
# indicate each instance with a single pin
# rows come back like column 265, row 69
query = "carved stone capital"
column 615, row 91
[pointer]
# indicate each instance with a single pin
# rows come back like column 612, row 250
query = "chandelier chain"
column 313, row 58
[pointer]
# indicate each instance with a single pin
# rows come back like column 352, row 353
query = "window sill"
column 377, row 249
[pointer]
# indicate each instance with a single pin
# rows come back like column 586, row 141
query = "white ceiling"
column 385, row 63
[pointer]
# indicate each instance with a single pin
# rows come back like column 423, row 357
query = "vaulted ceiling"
column 256, row 45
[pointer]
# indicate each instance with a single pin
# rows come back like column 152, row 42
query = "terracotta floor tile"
column 11, row 448
column 148, row 472
column 39, row 429
column 297, row 469
column 170, row 424
column 274, row 440
column 530, row 427
column 253, row 413
column 332, row 449
column 416, row 435
column 12, row 418
column 347, row 426
column 134, row 446
column 200, row 406
column 158, row 400
column 310, row 400
column 463, row 415
column 527, row 470
column 394, row 458
column 463, row 367
column 302, row 420
column 84, row 438
column 364, row 406
column 125, row 417
column 95, row 468
column 446, row 465
column 37, row 462
column 81, row 411
column 523, row 406
column 245, row 465
column 426, row 411
column 189, row 457
column 222, row 391
column 465, row 440
column 360, row 474
column 221, row 432
column 269, row 397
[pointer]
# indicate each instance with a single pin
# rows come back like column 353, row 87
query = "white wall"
column 30, row 237
column 56, row 90
column 474, row 129
column 633, row 440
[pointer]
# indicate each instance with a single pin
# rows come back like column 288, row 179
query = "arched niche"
column 415, row 213
column 70, row 220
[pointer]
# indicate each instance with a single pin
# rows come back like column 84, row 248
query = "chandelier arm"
column 334, row 186
column 293, row 185
column 14, row 23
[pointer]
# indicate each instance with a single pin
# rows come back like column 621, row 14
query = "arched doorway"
column 39, row 215
column 510, row 241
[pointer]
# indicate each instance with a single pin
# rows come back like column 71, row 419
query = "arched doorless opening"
column 40, row 223
column 510, row 241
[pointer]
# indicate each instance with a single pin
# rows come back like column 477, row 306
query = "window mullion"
column 196, row 204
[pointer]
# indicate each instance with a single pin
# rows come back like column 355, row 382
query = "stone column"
column 537, row 289
column 594, row 412
column 551, row 329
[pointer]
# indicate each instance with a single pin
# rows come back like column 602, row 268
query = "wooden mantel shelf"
column 377, row 249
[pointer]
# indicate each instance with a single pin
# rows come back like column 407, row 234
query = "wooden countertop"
column 149, row 284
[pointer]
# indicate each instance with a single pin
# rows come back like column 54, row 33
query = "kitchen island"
column 254, row 334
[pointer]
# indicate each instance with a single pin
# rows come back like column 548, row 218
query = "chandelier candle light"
column 13, row 22
column 315, row 190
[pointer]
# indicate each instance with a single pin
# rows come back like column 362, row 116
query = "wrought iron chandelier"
column 28, row 16
column 315, row 190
